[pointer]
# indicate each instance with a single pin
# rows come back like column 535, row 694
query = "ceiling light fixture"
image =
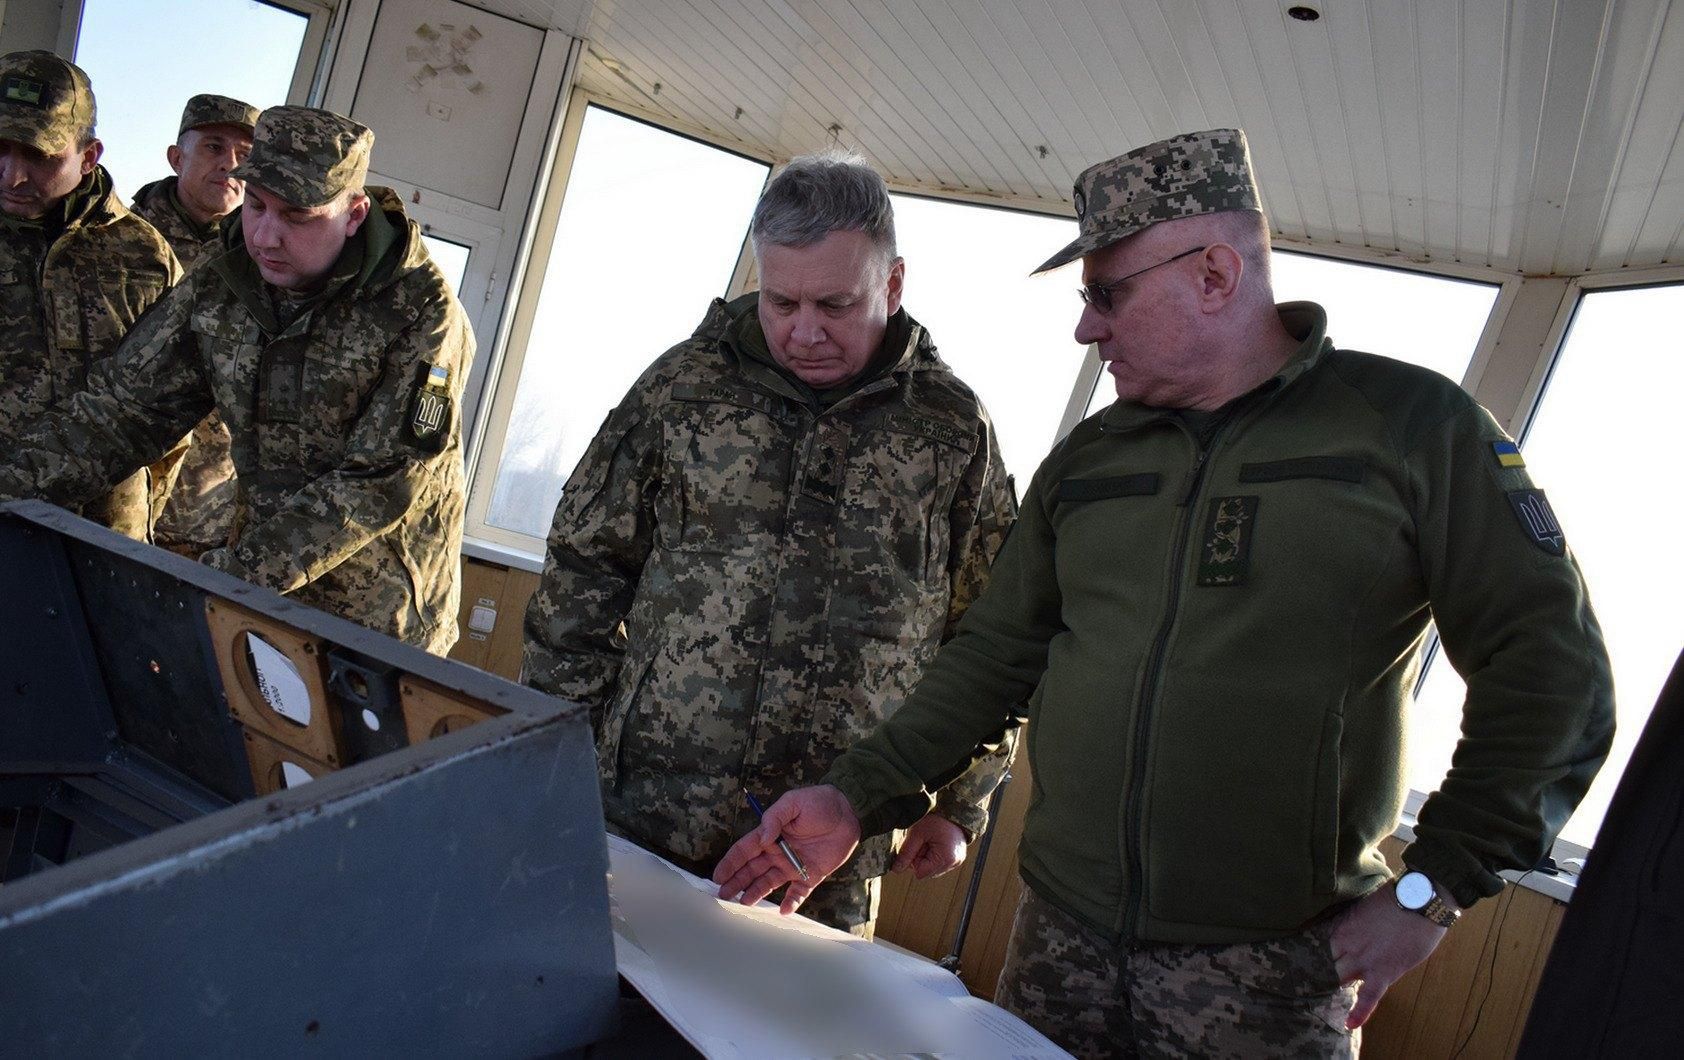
column 1302, row 13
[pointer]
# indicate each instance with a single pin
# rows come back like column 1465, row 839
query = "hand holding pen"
column 818, row 820
column 760, row 815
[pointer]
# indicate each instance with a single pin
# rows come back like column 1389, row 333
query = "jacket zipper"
column 809, row 433
column 1154, row 666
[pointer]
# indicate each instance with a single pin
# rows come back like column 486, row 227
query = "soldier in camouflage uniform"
column 336, row 353
column 785, row 515
column 77, row 269
column 1215, row 596
column 189, row 208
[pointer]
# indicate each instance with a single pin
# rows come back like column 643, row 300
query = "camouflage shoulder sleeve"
column 983, row 511
column 598, row 544
column 385, row 470
column 138, row 402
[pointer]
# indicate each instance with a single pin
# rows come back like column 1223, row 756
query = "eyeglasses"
column 1098, row 295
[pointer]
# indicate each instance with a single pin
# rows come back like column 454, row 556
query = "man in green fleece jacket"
column 1214, row 601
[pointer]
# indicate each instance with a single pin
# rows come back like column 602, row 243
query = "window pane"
column 237, row 48
column 1607, row 487
column 1432, row 321
column 649, row 231
column 1008, row 335
column 451, row 258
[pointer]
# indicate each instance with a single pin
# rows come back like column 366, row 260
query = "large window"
column 1603, row 447
column 649, row 232
column 1008, row 335
column 1432, row 321
column 146, row 60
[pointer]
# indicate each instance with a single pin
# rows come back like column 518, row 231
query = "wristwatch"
column 1416, row 893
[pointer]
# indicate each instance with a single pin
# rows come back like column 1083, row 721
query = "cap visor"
column 1083, row 245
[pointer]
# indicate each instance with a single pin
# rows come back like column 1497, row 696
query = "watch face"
column 1414, row 890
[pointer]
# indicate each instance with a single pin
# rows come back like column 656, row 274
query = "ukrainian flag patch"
column 21, row 90
column 1508, row 454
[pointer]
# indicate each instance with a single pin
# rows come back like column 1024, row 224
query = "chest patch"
column 1225, row 555
column 1536, row 517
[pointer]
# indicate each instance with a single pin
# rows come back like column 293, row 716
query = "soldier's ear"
column 897, row 277
column 356, row 213
column 173, row 155
column 90, row 155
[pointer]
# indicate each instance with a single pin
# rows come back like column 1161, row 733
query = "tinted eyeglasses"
column 1098, row 295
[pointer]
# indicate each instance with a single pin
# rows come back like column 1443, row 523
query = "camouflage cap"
column 1183, row 176
column 306, row 156
column 45, row 101
column 210, row 109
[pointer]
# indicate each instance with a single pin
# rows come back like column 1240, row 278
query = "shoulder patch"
column 1507, row 454
column 431, row 413
column 1532, row 508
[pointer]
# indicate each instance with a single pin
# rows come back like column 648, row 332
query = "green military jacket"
column 199, row 512
column 1221, row 644
column 66, row 300
column 782, row 570
column 344, row 424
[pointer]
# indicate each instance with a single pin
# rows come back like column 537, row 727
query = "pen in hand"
column 759, row 814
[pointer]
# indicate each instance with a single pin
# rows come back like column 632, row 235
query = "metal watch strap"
column 1440, row 912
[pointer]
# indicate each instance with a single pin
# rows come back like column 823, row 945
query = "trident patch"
column 430, row 413
column 1536, row 518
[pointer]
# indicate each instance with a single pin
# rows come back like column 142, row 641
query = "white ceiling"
column 1532, row 135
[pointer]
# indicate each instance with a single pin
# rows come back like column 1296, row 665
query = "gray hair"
column 816, row 195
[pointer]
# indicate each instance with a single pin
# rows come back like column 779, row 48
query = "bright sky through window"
column 146, row 59
column 1602, row 450
column 620, row 287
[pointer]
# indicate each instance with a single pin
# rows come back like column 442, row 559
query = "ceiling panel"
column 1528, row 135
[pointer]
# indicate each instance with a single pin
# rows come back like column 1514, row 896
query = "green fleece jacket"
column 1221, row 642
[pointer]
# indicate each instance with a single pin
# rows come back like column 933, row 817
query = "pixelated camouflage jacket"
column 782, row 573
column 345, row 427
column 65, row 304
column 198, row 514
column 1222, row 641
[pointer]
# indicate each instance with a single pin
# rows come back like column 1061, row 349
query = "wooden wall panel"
column 923, row 916
column 505, row 590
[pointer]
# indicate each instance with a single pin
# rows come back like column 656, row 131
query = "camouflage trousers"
column 1279, row 998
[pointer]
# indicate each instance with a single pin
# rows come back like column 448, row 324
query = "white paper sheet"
column 279, row 681
column 745, row 982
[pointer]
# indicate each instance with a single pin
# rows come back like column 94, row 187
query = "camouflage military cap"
column 210, row 109
column 306, row 156
column 1183, row 176
column 45, row 101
